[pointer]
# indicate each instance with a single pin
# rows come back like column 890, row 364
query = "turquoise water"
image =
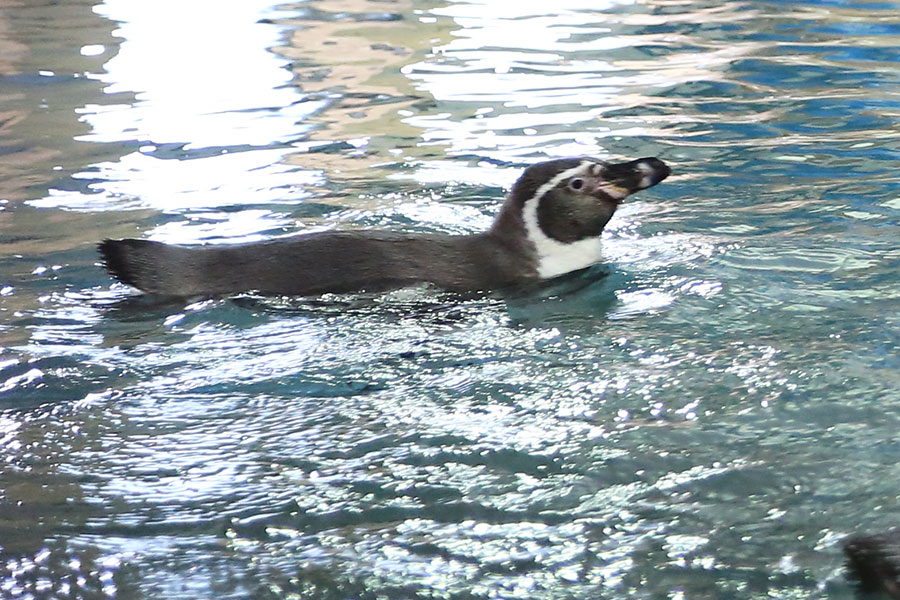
column 707, row 415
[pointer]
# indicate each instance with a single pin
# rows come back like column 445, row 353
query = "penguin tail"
column 114, row 255
column 138, row 263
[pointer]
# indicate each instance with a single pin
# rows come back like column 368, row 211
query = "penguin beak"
column 652, row 171
column 623, row 179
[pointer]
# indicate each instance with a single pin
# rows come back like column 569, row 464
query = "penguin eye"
column 576, row 184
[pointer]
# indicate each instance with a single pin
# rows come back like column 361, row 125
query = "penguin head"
column 566, row 203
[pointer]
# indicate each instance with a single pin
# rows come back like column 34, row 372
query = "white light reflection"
column 93, row 50
column 533, row 77
column 139, row 180
column 201, row 74
column 198, row 90
column 526, row 55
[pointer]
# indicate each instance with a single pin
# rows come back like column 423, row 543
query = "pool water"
column 708, row 414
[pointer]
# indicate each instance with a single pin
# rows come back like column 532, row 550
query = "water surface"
column 707, row 415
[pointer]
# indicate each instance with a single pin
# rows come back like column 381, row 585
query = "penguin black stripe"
column 538, row 175
column 549, row 224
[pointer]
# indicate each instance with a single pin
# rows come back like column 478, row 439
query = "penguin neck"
column 518, row 227
column 509, row 230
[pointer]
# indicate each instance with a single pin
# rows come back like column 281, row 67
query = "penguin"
column 548, row 225
column 873, row 562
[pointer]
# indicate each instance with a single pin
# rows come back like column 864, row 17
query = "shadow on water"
column 588, row 295
column 584, row 296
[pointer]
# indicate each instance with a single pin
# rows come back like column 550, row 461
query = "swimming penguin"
column 549, row 224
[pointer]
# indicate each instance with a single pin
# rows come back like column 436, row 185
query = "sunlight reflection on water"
column 213, row 119
column 219, row 86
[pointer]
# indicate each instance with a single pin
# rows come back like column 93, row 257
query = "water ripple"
column 707, row 414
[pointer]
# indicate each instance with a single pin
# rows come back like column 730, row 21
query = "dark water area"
column 708, row 414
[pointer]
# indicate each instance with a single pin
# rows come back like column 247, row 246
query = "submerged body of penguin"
column 549, row 225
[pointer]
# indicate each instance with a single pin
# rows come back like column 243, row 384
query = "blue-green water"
column 707, row 420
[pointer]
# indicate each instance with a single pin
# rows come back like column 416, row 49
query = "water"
column 707, row 415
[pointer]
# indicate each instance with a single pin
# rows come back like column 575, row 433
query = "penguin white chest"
column 554, row 257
